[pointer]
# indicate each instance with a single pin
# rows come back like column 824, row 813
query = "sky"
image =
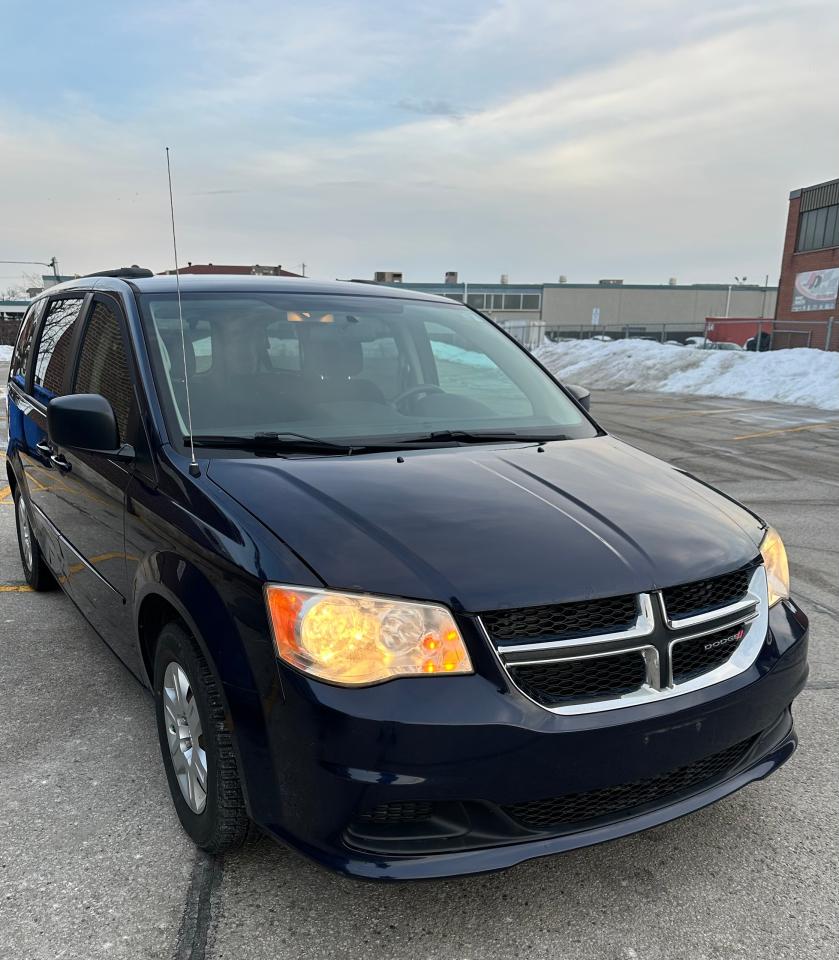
column 594, row 138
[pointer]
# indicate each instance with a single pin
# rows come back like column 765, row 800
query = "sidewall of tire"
column 39, row 576
column 176, row 645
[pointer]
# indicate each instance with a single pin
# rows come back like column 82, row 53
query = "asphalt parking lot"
column 93, row 862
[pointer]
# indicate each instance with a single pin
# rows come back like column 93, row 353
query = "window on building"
column 512, row 301
column 54, row 347
column 454, row 296
column 103, row 365
column 476, row 300
column 23, row 348
column 530, row 301
column 818, row 228
column 497, row 301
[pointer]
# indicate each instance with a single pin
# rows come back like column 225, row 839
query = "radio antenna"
column 194, row 469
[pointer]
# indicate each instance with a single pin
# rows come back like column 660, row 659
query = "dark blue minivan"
column 402, row 603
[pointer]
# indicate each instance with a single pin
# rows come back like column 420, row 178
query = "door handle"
column 60, row 462
column 43, row 447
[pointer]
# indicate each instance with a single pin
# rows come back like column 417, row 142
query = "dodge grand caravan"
column 401, row 602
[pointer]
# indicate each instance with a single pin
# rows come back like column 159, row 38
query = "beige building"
column 654, row 309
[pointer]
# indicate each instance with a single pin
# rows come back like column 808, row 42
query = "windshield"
column 346, row 369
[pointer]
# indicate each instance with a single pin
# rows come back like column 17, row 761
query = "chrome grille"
column 652, row 656
column 691, row 658
column 689, row 599
column 573, row 681
column 562, row 619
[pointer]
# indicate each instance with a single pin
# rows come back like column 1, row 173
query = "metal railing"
column 660, row 332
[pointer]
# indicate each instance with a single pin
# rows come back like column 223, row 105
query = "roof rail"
column 128, row 273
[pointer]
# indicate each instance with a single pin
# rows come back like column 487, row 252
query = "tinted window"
column 819, row 228
column 103, row 366
column 20, row 356
column 345, row 367
column 54, row 347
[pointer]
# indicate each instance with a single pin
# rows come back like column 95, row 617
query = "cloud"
column 430, row 108
column 645, row 143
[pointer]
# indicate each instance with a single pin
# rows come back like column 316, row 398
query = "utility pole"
column 40, row 263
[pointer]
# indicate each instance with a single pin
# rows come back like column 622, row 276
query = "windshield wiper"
column 464, row 436
column 272, row 441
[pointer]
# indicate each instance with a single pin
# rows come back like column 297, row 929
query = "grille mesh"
column 574, row 681
column 692, row 598
column 410, row 811
column 562, row 620
column 691, row 658
column 577, row 808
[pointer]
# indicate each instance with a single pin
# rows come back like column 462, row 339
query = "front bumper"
column 472, row 748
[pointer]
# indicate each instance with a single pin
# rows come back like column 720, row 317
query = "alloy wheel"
column 25, row 532
column 185, row 736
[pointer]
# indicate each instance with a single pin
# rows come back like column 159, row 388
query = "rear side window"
column 54, row 347
column 23, row 349
column 103, row 365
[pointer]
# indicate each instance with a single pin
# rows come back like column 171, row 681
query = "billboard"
column 815, row 290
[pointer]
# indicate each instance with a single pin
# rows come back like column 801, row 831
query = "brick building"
column 806, row 313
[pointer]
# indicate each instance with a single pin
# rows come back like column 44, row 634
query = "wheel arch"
column 175, row 589
column 159, row 601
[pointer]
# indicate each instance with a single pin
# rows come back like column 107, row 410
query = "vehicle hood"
column 484, row 528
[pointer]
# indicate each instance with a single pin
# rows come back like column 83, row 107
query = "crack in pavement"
column 207, row 875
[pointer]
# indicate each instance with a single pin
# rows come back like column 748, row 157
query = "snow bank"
column 5, row 352
column 800, row 376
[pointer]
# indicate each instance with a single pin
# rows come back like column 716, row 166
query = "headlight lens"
column 354, row 639
column 777, row 568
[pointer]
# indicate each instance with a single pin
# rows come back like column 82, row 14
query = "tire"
column 35, row 570
column 217, row 822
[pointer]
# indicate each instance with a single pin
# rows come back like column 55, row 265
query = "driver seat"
column 330, row 370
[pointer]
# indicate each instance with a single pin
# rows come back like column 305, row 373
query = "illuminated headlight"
column 777, row 569
column 354, row 639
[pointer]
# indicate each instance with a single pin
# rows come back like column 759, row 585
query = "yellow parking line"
column 772, row 433
column 700, row 413
column 14, row 588
column 5, row 494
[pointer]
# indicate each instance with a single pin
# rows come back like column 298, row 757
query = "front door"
column 92, row 524
column 43, row 480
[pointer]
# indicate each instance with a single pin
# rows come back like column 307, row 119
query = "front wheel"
column 196, row 745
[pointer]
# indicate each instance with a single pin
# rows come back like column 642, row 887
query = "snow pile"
column 5, row 353
column 799, row 376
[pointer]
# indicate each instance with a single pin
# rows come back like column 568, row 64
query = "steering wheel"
column 419, row 390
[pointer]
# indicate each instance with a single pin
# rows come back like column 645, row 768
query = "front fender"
column 232, row 633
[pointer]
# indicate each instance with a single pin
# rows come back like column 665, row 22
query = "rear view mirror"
column 86, row 422
column 582, row 396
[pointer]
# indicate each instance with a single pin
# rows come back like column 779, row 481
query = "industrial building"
column 611, row 305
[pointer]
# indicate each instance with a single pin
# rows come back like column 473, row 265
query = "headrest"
column 332, row 358
column 173, row 356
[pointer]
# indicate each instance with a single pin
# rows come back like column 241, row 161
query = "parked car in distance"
column 401, row 602
column 703, row 343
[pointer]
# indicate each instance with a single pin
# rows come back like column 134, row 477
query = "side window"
column 23, row 348
column 103, row 365
column 54, row 347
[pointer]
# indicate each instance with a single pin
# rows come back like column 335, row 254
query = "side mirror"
column 582, row 395
column 86, row 422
